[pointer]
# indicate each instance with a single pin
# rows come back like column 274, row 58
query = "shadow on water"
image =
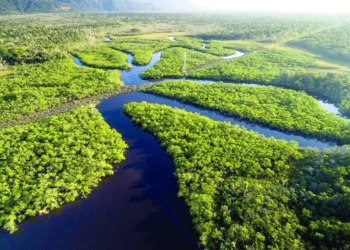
column 137, row 208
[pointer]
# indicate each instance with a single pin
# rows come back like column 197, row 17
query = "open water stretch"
column 138, row 207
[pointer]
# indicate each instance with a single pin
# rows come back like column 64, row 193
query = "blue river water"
column 138, row 207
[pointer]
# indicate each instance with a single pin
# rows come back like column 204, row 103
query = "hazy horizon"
column 275, row 5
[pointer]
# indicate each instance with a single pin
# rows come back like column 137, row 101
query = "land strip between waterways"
column 223, row 60
column 65, row 107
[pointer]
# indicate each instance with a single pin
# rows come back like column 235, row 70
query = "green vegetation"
column 246, row 191
column 336, row 87
column 263, row 67
column 266, row 29
column 102, row 57
column 141, row 49
column 277, row 108
column 212, row 47
column 67, row 106
column 245, row 47
column 172, row 62
column 48, row 163
column 322, row 183
column 333, row 42
column 219, row 49
column 33, row 88
column 13, row 56
column 61, row 33
column 283, row 68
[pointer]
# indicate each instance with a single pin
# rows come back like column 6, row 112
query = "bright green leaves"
column 48, row 163
column 256, row 213
column 103, row 57
column 249, row 210
column 141, row 49
column 275, row 107
column 172, row 63
column 246, row 191
column 38, row 87
column 263, row 67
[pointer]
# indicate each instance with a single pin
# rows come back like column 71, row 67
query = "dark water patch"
column 137, row 208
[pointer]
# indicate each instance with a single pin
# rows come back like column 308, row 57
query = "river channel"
column 137, row 207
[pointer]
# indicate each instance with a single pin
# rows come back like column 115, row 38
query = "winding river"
column 138, row 207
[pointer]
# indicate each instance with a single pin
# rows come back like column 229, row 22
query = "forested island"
column 72, row 98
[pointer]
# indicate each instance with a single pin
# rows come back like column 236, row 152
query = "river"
column 138, row 207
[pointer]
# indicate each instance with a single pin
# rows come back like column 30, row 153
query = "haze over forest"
column 59, row 6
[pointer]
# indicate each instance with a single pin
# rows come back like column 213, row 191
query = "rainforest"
column 174, row 131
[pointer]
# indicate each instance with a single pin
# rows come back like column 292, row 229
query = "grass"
column 4, row 72
column 238, row 42
column 326, row 64
column 155, row 35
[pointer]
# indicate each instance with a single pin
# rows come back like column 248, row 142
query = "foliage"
column 264, row 28
column 172, row 63
column 219, row 49
column 48, row 163
column 246, row 191
column 209, row 156
column 14, row 56
column 263, row 67
column 261, row 215
column 335, row 87
column 211, row 47
column 322, row 184
column 34, row 88
column 103, row 57
column 282, row 68
column 345, row 107
column 52, row 34
column 141, row 49
column 333, row 42
column 245, row 47
column 275, row 107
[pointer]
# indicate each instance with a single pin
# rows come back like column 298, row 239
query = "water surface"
column 138, row 207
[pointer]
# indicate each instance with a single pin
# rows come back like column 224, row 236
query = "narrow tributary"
column 138, row 207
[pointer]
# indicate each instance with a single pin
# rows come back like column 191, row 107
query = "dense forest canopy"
column 41, row 86
column 333, row 42
column 275, row 107
column 246, row 191
column 172, row 63
column 42, row 32
column 265, row 66
column 243, row 190
column 102, row 57
column 289, row 69
column 48, row 163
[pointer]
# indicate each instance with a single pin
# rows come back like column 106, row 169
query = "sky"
column 277, row 5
